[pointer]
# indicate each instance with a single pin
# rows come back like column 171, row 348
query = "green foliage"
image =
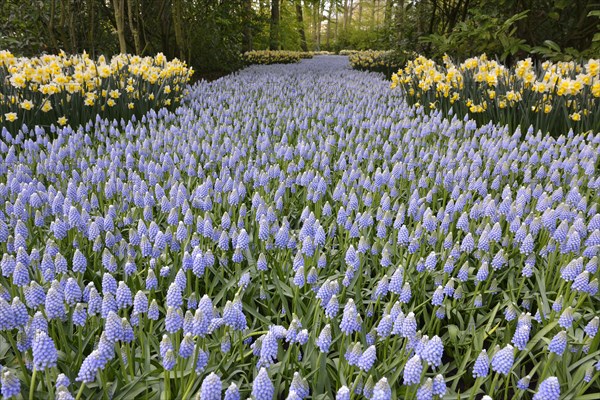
column 480, row 34
column 19, row 28
column 216, row 35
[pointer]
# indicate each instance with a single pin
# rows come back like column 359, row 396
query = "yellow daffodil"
column 46, row 107
column 26, row 105
column 11, row 116
column 62, row 120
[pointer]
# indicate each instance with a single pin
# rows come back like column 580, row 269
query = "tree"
column 178, row 25
column 119, row 9
column 274, row 33
column 247, row 34
column 300, row 20
column 132, row 8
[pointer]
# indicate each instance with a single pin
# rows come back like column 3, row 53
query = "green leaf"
column 552, row 45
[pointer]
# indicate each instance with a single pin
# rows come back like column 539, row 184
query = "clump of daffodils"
column 386, row 62
column 552, row 97
column 266, row 57
column 54, row 89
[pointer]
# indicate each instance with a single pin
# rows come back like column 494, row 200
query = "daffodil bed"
column 385, row 61
column 266, row 57
column 74, row 89
column 551, row 97
column 299, row 232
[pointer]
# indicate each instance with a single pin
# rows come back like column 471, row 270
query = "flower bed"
column 266, row 57
column 299, row 231
column 386, row 62
column 551, row 97
column 63, row 89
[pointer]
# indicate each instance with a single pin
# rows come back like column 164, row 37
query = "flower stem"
column 32, row 386
column 80, row 391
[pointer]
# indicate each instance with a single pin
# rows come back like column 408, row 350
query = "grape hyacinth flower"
column 324, row 339
column 299, row 386
column 11, row 386
column 367, row 359
column 482, row 365
column 523, row 383
column 232, row 393
column 262, row 387
column 412, row 370
column 211, row 387
column 90, row 366
column 343, row 393
column 382, row 390
column 558, row 344
column 502, row 361
column 425, row 391
column 44, row 351
column 549, row 389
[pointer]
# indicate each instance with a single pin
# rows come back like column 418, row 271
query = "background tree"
column 211, row 34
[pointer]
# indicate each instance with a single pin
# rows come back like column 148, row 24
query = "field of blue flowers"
column 299, row 232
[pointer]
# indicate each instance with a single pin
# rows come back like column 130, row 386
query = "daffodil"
column 26, row 105
column 46, row 106
column 11, row 116
column 62, row 120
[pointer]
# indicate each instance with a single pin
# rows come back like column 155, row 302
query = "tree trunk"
column 72, row 30
column 274, row 30
column 350, row 13
column 328, row 34
column 51, row 26
column 178, row 25
column 119, row 6
column 315, row 25
column 337, row 20
column 92, row 25
column 432, row 20
column 133, row 25
column 345, row 14
column 247, row 32
column 319, row 22
column 387, row 16
column 360, row 11
column 399, row 22
column 300, row 20
column 373, row 20
column 453, row 17
column 64, row 8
